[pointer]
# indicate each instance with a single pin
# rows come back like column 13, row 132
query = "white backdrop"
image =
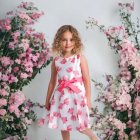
column 101, row 59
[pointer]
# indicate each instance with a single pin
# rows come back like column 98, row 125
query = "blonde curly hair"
column 56, row 46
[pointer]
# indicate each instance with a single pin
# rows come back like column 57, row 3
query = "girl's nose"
column 68, row 42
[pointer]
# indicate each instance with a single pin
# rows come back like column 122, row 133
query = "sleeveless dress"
column 69, row 110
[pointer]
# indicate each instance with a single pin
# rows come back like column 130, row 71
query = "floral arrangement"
column 120, row 119
column 23, row 53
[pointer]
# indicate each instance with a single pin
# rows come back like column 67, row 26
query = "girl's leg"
column 89, row 133
column 65, row 135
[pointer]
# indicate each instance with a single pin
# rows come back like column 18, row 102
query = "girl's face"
column 67, row 42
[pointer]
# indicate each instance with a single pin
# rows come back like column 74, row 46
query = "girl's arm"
column 51, row 85
column 86, row 79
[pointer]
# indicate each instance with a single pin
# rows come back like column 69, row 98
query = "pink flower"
column 23, row 75
column 41, row 121
column 137, row 105
column 119, row 125
column 125, row 74
column 24, row 16
column 3, row 102
column 16, row 69
column 15, row 35
column 18, row 61
column 2, row 112
column 3, row 92
column 17, row 98
column 36, row 15
column 12, row 78
column 5, row 77
column 137, row 85
column 5, row 61
column 69, row 128
column 12, row 108
column 5, row 24
column 124, row 100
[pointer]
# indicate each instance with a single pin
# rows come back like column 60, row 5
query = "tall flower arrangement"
column 23, row 53
column 120, row 119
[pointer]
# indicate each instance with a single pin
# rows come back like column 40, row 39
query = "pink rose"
column 2, row 112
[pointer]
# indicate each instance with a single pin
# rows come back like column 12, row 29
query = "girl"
column 70, row 102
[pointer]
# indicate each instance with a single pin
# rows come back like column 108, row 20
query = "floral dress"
column 69, row 110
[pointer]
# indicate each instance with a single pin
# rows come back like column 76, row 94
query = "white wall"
column 101, row 58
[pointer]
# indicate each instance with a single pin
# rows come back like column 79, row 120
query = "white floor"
column 44, row 133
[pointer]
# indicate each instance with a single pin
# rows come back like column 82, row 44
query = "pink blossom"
column 3, row 102
column 2, row 112
column 137, row 85
column 16, row 35
column 5, row 61
column 25, row 46
column 124, row 100
column 36, row 15
column 27, row 121
column 12, row 78
column 18, row 61
column 3, row 92
column 24, row 16
column 11, row 45
column 119, row 125
column 137, row 105
column 109, row 97
column 5, row 77
column 12, row 107
column 16, row 69
column 125, row 74
column 17, row 98
column 23, row 75
column 5, row 24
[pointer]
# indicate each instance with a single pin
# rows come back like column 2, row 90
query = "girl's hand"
column 89, row 105
column 47, row 105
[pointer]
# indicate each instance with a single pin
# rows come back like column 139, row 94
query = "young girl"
column 70, row 102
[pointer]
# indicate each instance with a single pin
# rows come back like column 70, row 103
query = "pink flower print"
column 69, row 128
column 54, row 126
column 71, row 110
column 75, row 101
column 59, row 115
column 58, row 68
column 55, row 114
column 79, row 112
column 80, row 127
column 66, row 101
column 63, row 61
column 83, row 104
column 86, row 124
column 64, row 119
column 60, row 106
column 61, row 95
column 78, row 56
column 76, row 73
column 53, row 102
column 69, row 69
column 50, row 118
column 70, row 91
column 56, row 58
column 73, row 117
column 73, row 60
